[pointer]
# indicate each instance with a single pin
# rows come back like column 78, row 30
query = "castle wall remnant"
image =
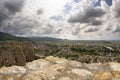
column 16, row 53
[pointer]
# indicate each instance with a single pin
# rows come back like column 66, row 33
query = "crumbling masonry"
column 15, row 53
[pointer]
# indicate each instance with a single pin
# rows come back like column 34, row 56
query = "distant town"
column 83, row 51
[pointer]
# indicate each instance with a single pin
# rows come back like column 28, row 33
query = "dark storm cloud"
column 3, row 14
column 96, row 22
column 117, row 29
column 39, row 11
column 92, row 30
column 116, row 8
column 20, row 26
column 48, row 29
column 94, row 12
column 9, row 22
column 118, row 12
column 9, row 8
column 88, row 15
column 108, row 29
column 78, row 29
column 58, row 31
column 14, row 5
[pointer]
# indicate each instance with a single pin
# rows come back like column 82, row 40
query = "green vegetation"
column 45, row 39
column 87, row 51
column 83, row 51
column 36, row 51
column 8, row 37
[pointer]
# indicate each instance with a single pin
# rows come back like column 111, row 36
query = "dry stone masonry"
column 15, row 53
column 53, row 68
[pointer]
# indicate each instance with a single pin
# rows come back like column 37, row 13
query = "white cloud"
column 33, row 18
column 109, row 27
column 50, row 7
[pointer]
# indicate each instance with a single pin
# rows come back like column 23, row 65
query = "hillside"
column 16, row 53
column 9, row 37
column 53, row 68
column 45, row 39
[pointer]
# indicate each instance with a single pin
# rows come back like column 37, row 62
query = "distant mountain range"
column 45, row 39
column 9, row 37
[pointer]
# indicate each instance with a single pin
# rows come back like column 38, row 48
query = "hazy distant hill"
column 45, row 39
column 9, row 37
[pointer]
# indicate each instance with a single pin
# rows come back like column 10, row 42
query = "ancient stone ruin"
column 16, row 53
column 54, row 68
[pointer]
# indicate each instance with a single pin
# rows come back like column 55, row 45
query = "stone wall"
column 15, row 53
column 54, row 68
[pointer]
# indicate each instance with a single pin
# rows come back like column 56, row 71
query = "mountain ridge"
column 46, row 39
column 9, row 37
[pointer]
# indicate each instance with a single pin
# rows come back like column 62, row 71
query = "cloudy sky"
column 67, row 19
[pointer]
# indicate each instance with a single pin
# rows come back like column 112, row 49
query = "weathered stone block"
column 16, row 53
column 100, row 75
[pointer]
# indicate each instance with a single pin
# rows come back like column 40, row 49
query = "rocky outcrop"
column 15, row 53
column 53, row 68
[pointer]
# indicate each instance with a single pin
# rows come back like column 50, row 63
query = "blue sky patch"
column 98, row 3
column 57, row 18
column 77, row 1
column 109, row 2
column 68, row 8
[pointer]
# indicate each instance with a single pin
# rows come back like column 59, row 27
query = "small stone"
column 75, row 64
column 116, row 74
column 38, row 75
column 37, row 64
column 114, row 66
column 115, row 69
column 82, row 73
column 14, row 70
column 56, row 60
column 94, row 66
column 12, row 73
column 65, row 78
column 100, row 75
